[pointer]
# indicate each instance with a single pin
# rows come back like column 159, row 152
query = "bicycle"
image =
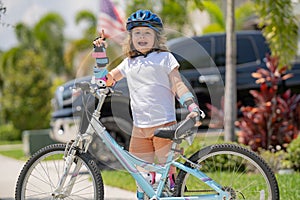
column 216, row 172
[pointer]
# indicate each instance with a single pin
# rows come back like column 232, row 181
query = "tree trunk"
column 230, row 80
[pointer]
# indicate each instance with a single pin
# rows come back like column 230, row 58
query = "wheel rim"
column 44, row 174
column 238, row 174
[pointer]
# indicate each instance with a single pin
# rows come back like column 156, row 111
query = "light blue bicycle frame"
column 130, row 162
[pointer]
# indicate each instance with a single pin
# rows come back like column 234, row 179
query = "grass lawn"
column 14, row 153
column 289, row 186
column 10, row 142
column 120, row 179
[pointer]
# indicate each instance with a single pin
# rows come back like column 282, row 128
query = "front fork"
column 81, row 143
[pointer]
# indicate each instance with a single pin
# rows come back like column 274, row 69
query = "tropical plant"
column 271, row 124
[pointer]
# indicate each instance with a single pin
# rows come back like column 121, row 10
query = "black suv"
column 202, row 66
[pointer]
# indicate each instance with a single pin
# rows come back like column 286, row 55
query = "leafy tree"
column 241, row 13
column 26, row 99
column 174, row 13
column 27, row 71
column 49, row 41
column 279, row 26
column 216, row 16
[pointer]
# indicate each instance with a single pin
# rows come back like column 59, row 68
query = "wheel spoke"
column 41, row 175
column 239, row 171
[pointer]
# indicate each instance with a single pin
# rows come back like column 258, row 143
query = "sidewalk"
column 9, row 172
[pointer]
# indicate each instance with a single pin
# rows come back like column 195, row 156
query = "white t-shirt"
column 152, row 100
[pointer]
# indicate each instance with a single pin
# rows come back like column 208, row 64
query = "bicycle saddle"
column 176, row 131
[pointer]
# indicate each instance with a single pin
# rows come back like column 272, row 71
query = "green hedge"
column 9, row 133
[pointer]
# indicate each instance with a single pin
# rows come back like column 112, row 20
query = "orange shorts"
column 152, row 149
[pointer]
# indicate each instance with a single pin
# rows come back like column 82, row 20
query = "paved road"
column 10, row 169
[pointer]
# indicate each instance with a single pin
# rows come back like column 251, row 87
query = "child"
column 153, row 81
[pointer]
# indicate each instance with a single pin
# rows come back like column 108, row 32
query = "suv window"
column 245, row 51
column 220, row 52
column 206, row 44
column 191, row 55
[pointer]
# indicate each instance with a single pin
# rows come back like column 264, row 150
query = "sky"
column 30, row 11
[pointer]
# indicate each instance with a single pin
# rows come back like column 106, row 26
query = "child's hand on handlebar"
column 198, row 114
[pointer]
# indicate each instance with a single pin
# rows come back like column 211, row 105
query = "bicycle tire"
column 41, row 173
column 239, row 170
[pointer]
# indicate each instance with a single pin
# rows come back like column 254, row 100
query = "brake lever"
column 84, row 86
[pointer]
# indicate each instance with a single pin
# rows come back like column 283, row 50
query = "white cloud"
column 33, row 14
column 30, row 11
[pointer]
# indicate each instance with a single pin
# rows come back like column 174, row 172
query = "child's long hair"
column 159, row 45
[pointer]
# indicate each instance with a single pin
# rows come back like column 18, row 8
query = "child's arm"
column 102, row 76
column 113, row 76
column 185, row 97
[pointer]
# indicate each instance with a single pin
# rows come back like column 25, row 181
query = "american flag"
column 111, row 22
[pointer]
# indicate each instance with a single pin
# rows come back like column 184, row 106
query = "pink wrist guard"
column 192, row 107
column 102, row 78
column 99, row 55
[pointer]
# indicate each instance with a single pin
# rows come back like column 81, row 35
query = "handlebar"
column 177, row 131
column 96, row 90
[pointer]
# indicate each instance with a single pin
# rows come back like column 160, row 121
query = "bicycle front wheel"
column 41, row 174
column 238, row 170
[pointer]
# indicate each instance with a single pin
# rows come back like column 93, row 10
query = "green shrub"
column 274, row 159
column 9, row 133
column 293, row 156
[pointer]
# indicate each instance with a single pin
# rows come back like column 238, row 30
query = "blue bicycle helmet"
column 144, row 18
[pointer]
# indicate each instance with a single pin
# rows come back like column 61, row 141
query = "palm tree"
column 78, row 51
column 49, row 40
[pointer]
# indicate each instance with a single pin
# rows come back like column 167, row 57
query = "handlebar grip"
column 184, row 127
